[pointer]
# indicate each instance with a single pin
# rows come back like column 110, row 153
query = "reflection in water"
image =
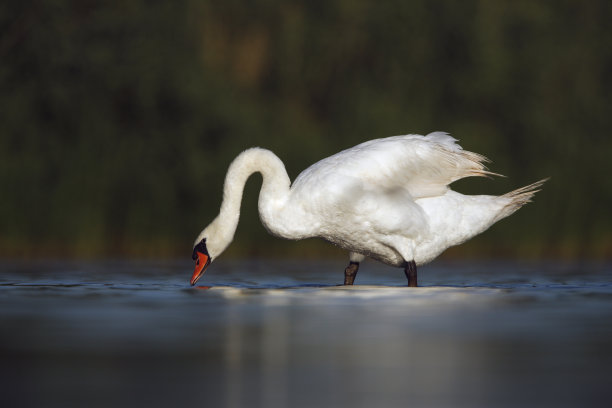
column 233, row 358
column 434, row 347
column 270, row 344
column 140, row 336
column 275, row 353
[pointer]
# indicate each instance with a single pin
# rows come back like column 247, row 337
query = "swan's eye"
column 201, row 247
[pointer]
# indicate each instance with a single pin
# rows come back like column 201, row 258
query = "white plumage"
column 387, row 199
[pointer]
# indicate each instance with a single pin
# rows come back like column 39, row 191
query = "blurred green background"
column 118, row 119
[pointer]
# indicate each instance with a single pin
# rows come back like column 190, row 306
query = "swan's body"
column 387, row 199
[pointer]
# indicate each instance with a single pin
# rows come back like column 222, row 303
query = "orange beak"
column 202, row 262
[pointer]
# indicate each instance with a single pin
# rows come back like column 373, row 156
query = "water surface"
column 284, row 334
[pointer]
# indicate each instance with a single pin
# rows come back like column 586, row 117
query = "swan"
column 387, row 199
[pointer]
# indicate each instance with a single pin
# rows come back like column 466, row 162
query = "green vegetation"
column 118, row 119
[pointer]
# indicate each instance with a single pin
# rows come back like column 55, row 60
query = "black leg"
column 350, row 272
column 411, row 273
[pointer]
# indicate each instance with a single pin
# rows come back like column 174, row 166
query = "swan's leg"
column 411, row 273
column 351, row 270
column 405, row 248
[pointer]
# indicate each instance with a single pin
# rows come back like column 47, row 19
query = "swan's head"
column 211, row 242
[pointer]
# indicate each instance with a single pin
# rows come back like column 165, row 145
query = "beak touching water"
column 202, row 261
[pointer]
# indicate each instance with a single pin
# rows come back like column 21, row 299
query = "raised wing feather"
column 423, row 165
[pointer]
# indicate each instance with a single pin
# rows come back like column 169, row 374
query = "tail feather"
column 519, row 197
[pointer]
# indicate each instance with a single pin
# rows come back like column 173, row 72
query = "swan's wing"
column 423, row 165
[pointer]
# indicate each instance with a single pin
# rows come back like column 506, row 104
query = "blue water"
column 264, row 333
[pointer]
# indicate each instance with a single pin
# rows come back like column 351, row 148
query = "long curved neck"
column 273, row 196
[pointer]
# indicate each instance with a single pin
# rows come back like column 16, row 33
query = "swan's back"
column 422, row 165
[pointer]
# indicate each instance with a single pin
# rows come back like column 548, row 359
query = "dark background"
column 118, row 119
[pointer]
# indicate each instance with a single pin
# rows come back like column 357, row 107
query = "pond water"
column 263, row 333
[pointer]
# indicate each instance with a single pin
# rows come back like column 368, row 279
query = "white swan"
column 386, row 199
